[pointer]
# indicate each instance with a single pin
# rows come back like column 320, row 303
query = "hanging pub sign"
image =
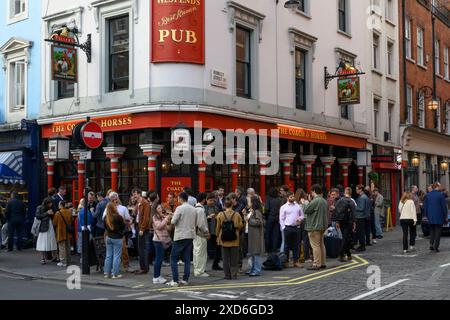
column 349, row 90
column 64, row 63
column 178, row 31
column 181, row 140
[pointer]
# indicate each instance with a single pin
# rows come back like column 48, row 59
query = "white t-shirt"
column 123, row 211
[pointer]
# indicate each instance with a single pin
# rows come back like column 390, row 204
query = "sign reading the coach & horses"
column 178, row 31
column 64, row 63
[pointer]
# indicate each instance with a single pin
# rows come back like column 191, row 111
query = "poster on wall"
column 349, row 91
column 178, row 31
column 64, row 63
column 175, row 185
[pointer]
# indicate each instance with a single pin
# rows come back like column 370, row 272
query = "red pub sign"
column 178, row 31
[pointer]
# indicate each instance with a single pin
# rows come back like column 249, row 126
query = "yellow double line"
column 356, row 263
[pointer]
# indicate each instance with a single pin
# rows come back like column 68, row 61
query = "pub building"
column 137, row 153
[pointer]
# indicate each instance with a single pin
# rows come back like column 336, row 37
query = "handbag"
column 69, row 228
column 35, row 227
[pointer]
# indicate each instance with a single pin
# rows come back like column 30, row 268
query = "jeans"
column 373, row 227
column 256, row 265
column 143, row 245
column 435, row 235
column 378, row 228
column 292, row 242
column 113, row 256
column 183, row 248
column 408, row 225
column 159, row 248
column 361, row 232
column 272, row 235
column 15, row 227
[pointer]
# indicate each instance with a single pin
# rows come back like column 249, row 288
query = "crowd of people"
column 225, row 228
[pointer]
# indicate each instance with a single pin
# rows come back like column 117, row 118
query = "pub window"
column 243, row 63
column 66, row 90
column 300, row 78
column 119, row 53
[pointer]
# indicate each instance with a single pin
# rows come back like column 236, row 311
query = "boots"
column 297, row 264
column 286, row 265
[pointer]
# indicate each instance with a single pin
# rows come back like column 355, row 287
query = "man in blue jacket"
column 435, row 209
column 362, row 215
column 15, row 215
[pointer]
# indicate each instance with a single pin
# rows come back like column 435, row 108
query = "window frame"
column 438, row 116
column 345, row 13
column 12, row 17
column 437, row 57
column 420, row 46
column 409, row 103
column 390, row 62
column 376, row 112
column 376, row 57
column 391, row 112
column 421, row 110
column 408, row 29
column 248, row 64
column 447, row 118
column 446, row 63
column 13, row 110
column 110, row 55
column 389, row 11
column 304, row 54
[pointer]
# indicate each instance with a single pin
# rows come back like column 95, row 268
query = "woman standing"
column 161, row 240
column 255, row 223
column 46, row 241
column 62, row 222
column 408, row 221
column 229, row 242
column 305, row 248
column 115, row 228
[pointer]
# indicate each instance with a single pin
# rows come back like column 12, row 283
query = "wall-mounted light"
column 292, row 4
column 363, row 158
column 415, row 161
column 444, row 165
column 433, row 105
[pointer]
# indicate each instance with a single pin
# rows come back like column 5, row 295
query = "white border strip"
column 379, row 289
column 445, row 265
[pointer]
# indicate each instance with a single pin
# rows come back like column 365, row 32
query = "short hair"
column 360, row 187
column 202, row 197
column 101, row 194
column 62, row 188
column 232, row 196
column 188, row 190
column 153, row 197
column 288, row 194
column 51, row 192
column 228, row 203
column 220, row 187
column 211, row 196
column 137, row 190
column 251, row 190
column 240, row 189
column 348, row 191
column 335, row 190
column 183, row 196
column 285, row 188
column 317, row 189
column 413, row 187
column 113, row 196
column 91, row 193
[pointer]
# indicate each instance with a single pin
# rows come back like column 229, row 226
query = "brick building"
column 425, row 91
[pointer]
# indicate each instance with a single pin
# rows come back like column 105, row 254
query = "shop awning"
column 11, row 167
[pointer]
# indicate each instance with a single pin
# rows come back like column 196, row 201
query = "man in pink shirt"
column 291, row 217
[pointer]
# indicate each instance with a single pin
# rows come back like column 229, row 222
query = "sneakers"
column 180, row 263
column 184, row 283
column 173, row 284
column 119, row 276
column 166, row 264
column 412, row 248
column 297, row 264
column 106, row 276
column 202, row 275
column 405, row 251
column 159, row 280
column 60, row 264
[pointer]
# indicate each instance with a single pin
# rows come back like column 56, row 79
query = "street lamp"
column 433, row 105
column 444, row 165
column 415, row 161
column 363, row 158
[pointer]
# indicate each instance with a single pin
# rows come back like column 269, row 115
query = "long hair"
column 300, row 194
column 46, row 202
column 405, row 197
column 111, row 215
column 256, row 203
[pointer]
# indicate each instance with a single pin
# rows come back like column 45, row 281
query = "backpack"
column 273, row 263
column 228, row 229
column 342, row 210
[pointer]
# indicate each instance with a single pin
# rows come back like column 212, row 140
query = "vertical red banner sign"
column 178, row 31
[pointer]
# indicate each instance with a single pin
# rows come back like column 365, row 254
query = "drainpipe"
column 405, row 93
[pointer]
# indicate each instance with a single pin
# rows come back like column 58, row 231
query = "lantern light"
column 415, row 160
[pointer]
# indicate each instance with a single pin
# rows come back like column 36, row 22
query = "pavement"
column 383, row 272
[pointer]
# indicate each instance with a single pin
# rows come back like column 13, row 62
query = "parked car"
column 426, row 227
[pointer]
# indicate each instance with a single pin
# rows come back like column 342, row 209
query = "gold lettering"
column 104, row 123
column 191, row 36
column 174, row 34
column 114, row 123
column 163, row 34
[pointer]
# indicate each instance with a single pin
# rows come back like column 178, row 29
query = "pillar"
column 152, row 152
column 345, row 163
column 263, row 160
column 308, row 160
column 394, row 198
column 200, row 161
column 361, row 175
column 114, row 154
column 328, row 163
column 81, row 170
column 286, row 161
column 234, row 156
column 50, row 170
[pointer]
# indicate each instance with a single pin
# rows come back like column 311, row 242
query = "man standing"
column 144, row 222
column 362, row 215
column 344, row 216
column 212, row 210
column 201, row 238
column 436, row 211
column 415, row 198
column 331, row 201
column 99, row 229
column 185, row 224
column 284, row 190
column 57, row 198
column 291, row 217
column 171, row 204
column 241, row 199
column 316, row 224
column 191, row 200
column 220, row 199
column 15, row 216
column 379, row 211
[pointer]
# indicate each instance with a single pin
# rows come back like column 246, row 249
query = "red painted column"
column 200, row 161
column 264, row 161
column 394, row 198
column 81, row 171
column 152, row 151
column 361, row 175
column 114, row 154
column 286, row 161
column 234, row 176
column 328, row 163
column 309, row 161
column 345, row 163
column 50, row 171
column 233, row 158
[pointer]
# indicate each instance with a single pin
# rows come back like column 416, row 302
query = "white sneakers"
column 180, row 263
column 119, row 276
column 173, row 284
column 203, row 275
column 60, row 264
column 159, row 280
column 184, row 283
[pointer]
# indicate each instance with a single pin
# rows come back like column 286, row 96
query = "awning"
column 11, row 167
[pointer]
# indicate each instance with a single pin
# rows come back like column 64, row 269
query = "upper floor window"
column 390, row 58
column 447, row 117
column 119, row 53
column 408, row 38
column 420, row 41
column 437, row 56
column 302, row 5
column 65, row 90
column 243, row 63
column 438, row 117
column 390, row 10
column 376, row 51
column 390, row 119
column 409, row 104
column 446, row 64
column 376, row 111
column 18, row 10
column 300, row 78
column 421, row 107
column 343, row 15
column 17, row 80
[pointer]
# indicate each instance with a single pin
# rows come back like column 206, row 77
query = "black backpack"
column 342, row 210
column 228, row 229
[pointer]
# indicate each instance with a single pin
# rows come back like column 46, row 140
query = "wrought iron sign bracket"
column 329, row 77
column 86, row 46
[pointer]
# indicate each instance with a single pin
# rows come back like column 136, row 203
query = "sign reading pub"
column 178, row 31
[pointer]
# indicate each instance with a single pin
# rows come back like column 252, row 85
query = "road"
column 422, row 275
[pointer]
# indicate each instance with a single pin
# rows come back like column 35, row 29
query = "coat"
column 272, row 208
column 185, row 222
column 145, row 216
column 256, row 234
column 362, row 207
column 238, row 225
column 60, row 227
column 435, row 208
column 317, row 215
column 379, row 205
column 45, row 219
column 15, row 211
